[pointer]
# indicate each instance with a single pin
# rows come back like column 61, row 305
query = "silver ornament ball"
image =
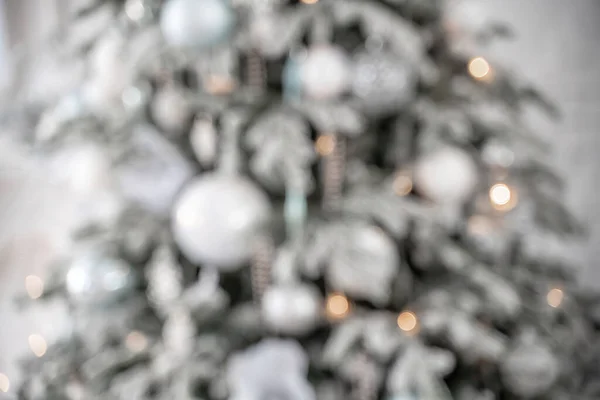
column 292, row 309
column 217, row 218
column 383, row 82
column 446, row 176
column 196, row 24
column 529, row 370
column 325, row 72
column 363, row 263
column 95, row 278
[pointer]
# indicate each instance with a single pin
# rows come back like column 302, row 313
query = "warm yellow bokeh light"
column 136, row 342
column 310, row 1
column 4, row 383
column 402, row 184
column 479, row 68
column 555, row 297
column 502, row 197
column 407, row 321
column 325, row 145
column 34, row 286
column 219, row 85
column 338, row 306
column 38, row 345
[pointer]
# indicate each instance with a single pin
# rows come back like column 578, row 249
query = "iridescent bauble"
column 217, row 218
column 383, row 82
column 98, row 278
column 196, row 24
column 325, row 72
column 292, row 309
column 446, row 176
column 529, row 370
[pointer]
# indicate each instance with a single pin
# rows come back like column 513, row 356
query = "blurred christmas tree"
column 340, row 185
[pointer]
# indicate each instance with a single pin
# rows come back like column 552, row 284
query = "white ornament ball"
column 216, row 220
column 447, row 176
column 291, row 309
column 325, row 72
column 197, row 24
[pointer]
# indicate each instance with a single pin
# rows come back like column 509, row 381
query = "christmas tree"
column 341, row 185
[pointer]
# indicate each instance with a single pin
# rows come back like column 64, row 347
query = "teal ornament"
column 292, row 79
column 196, row 24
column 295, row 211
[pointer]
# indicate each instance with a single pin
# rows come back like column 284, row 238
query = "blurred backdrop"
column 556, row 47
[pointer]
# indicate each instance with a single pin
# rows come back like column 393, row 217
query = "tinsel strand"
column 255, row 71
column 333, row 174
column 261, row 266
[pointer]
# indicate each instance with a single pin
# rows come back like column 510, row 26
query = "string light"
column 310, row 1
column 325, row 145
column 34, row 286
column 38, row 345
column 479, row 68
column 338, row 306
column 407, row 321
column 502, row 197
column 219, row 85
column 4, row 383
column 555, row 297
column 402, row 184
column 136, row 342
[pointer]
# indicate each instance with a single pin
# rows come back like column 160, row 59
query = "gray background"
column 556, row 48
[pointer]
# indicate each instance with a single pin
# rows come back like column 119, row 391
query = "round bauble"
column 291, row 309
column 383, row 82
column 325, row 72
column 363, row 263
column 97, row 278
column 216, row 220
column 196, row 24
column 446, row 176
column 529, row 370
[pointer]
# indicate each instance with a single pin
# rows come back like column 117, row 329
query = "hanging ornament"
column 383, row 82
column 98, row 278
column 171, row 110
column 292, row 77
column 204, row 141
column 446, row 176
column 194, row 24
column 363, row 263
column 325, row 73
column 292, row 308
column 333, row 169
column 216, row 220
column 529, row 369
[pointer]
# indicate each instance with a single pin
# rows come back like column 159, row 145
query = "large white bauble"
column 325, row 72
column 292, row 309
column 197, row 24
column 446, row 176
column 216, row 220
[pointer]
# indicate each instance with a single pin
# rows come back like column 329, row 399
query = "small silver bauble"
column 529, row 370
column 292, row 309
column 363, row 263
column 97, row 278
column 383, row 82
column 216, row 220
column 446, row 176
column 325, row 72
column 196, row 24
